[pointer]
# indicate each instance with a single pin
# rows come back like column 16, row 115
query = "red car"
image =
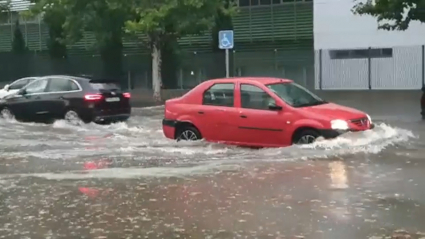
column 257, row 112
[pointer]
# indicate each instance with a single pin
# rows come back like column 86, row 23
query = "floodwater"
column 127, row 181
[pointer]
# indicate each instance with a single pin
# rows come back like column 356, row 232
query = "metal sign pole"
column 227, row 63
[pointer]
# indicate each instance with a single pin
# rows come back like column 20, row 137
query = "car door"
column 34, row 98
column 257, row 124
column 60, row 94
column 217, row 111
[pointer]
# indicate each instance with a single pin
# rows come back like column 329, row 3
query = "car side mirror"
column 22, row 92
column 275, row 107
column 6, row 87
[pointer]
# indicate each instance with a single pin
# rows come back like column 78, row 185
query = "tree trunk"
column 156, row 72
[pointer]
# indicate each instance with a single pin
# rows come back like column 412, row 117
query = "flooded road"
column 128, row 181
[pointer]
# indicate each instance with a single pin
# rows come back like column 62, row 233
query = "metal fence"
column 397, row 68
column 191, row 67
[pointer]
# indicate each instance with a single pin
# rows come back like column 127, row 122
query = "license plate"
column 113, row 99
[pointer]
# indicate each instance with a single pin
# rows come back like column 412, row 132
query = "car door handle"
column 244, row 116
column 61, row 98
column 201, row 112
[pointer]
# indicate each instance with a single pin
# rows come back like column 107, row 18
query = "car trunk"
column 113, row 101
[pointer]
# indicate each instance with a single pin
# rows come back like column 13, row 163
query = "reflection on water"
column 338, row 175
column 339, row 208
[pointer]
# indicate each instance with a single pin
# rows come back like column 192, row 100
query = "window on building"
column 361, row 53
column 276, row 2
column 265, row 2
column 244, row 3
column 255, row 2
column 220, row 95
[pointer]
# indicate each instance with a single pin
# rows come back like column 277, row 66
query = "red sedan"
column 258, row 112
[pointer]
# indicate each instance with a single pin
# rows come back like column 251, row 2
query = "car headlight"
column 370, row 119
column 339, row 124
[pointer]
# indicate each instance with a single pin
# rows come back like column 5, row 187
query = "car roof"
column 262, row 80
column 68, row 76
column 86, row 78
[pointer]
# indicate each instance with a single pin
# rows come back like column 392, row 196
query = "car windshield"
column 295, row 95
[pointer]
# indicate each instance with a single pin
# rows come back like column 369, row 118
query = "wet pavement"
column 127, row 181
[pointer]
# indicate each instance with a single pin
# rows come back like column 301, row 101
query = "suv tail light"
column 127, row 95
column 93, row 97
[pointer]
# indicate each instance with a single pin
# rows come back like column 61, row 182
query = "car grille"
column 360, row 122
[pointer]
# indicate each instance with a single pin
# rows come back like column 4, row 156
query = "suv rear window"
column 105, row 86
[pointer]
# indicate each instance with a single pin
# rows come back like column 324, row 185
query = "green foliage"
column 392, row 14
column 54, row 17
column 18, row 43
column 104, row 18
column 4, row 11
column 68, row 20
column 161, row 20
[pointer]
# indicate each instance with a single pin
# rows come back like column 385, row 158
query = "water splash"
column 62, row 143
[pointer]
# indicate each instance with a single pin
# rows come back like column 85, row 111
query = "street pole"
column 226, row 42
column 227, row 63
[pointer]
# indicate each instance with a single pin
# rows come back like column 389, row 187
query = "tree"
column 162, row 20
column 69, row 19
column 392, row 14
column 18, row 43
column 4, row 10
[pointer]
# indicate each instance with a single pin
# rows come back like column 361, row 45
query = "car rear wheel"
column 5, row 113
column 306, row 137
column 189, row 134
column 73, row 118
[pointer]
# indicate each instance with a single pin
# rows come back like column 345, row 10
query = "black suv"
column 71, row 98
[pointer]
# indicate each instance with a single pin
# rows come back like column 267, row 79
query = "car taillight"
column 127, row 95
column 92, row 97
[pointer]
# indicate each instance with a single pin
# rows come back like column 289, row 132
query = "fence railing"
column 185, row 70
column 397, row 68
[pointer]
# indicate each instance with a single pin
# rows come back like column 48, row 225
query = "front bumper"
column 331, row 133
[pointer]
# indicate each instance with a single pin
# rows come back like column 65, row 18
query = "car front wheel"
column 5, row 113
column 189, row 134
column 306, row 137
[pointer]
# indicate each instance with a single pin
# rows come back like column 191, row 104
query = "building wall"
column 394, row 60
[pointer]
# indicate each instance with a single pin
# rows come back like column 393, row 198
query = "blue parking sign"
column 225, row 39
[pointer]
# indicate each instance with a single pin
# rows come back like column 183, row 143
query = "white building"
column 351, row 53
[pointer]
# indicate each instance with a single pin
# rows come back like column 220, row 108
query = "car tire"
column 188, row 133
column 72, row 117
column 307, row 136
column 5, row 113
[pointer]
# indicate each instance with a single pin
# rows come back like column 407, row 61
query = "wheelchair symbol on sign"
column 225, row 41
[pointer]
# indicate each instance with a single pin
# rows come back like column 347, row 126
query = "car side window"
column 221, row 94
column 73, row 85
column 17, row 85
column 61, row 85
column 37, row 86
column 253, row 97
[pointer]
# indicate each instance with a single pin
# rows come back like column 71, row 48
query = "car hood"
column 334, row 111
column 8, row 94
